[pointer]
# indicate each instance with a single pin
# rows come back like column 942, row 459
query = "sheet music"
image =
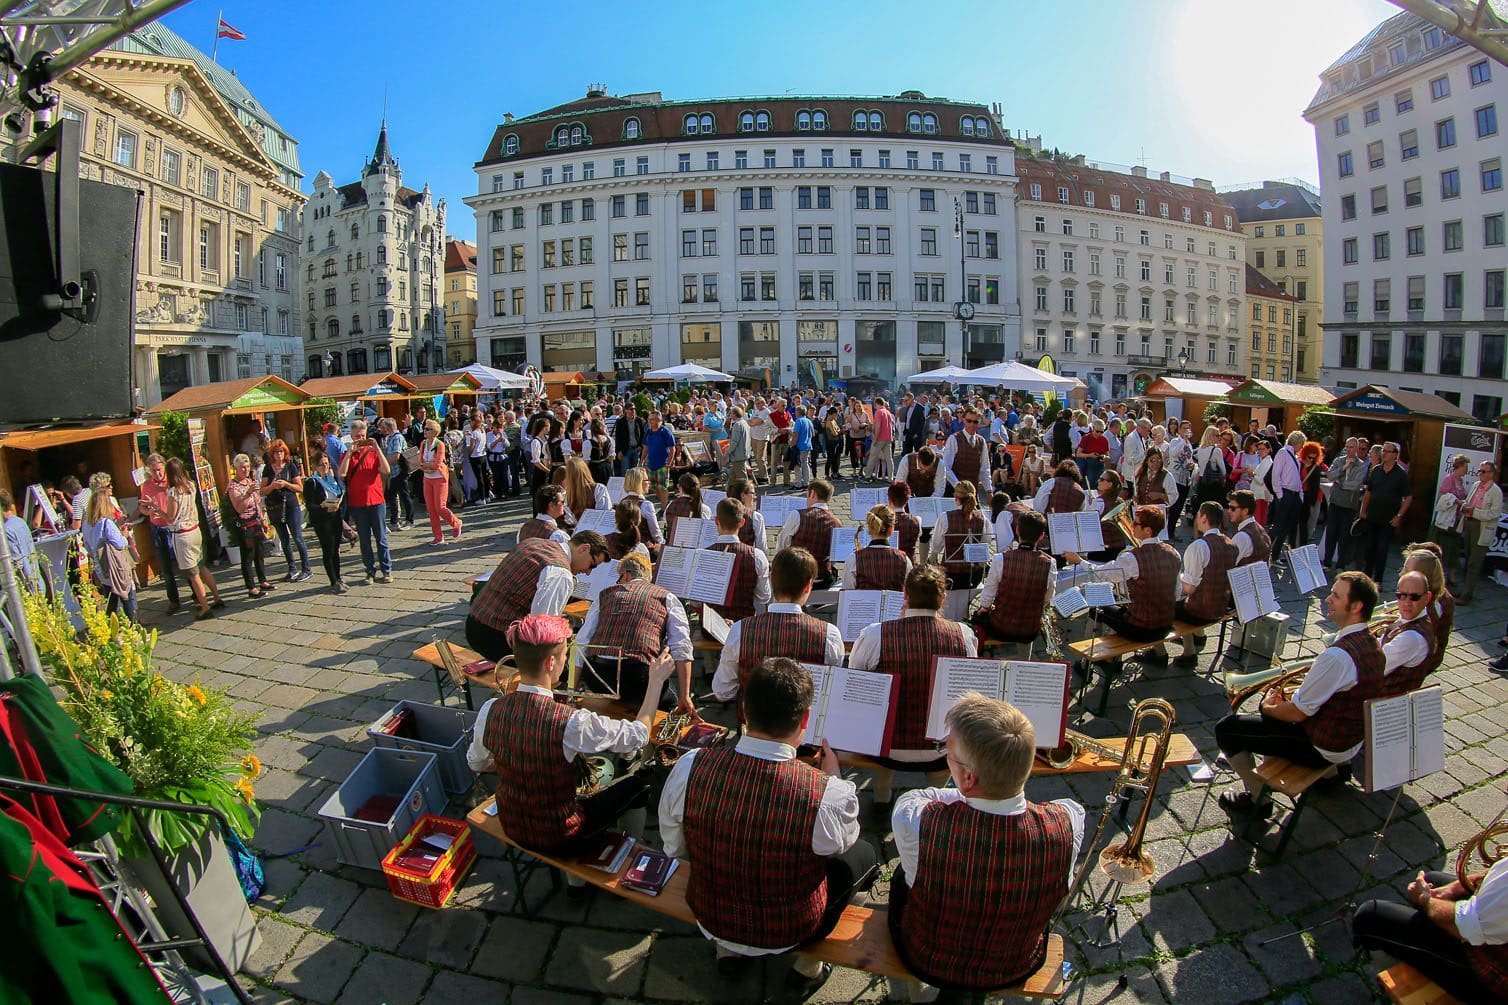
column 841, row 548
column 615, row 489
column 674, row 572
column 694, row 532
column 976, row 552
column 955, row 676
column 1251, row 589
column 928, row 509
column 777, row 508
column 600, row 520
column 861, row 501
column 1040, row 692
column 858, row 609
column 1099, row 595
column 865, row 540
column 1070, row 602
column 1405, row 738
column 589, row 585
column 714, row 624
column 1428, row 708
column 1077, row 532
column 851, row 709
column 711, row 497
column 711, row 577
column 1308, row 572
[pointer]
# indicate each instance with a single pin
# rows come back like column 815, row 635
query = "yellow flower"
column 251, row 765
column 109, row 694
column 244, row 789
column 196, row 694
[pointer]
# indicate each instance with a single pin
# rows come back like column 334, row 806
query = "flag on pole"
column 227, row 31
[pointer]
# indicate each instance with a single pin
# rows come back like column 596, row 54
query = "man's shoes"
column 369, row 579
column 303, row 575
column 290, row 576
column 1243, row 804
column 384, row 577
column 174, row 608
column 340, row 588
column 805, row 986
column 1186, row 659
column 1200, row 640
column 1500, row 664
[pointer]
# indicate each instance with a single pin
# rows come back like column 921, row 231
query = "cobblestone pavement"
column 318, row 669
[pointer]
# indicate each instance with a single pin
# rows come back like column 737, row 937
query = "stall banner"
column 1476, row 443
column 204, row 475
column 1499, row 547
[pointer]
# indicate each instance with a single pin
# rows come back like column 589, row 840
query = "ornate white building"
column 1411, row 155
column 805, row 236
column 372, row 269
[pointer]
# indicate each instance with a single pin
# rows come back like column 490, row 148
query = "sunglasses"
column 1402, row 595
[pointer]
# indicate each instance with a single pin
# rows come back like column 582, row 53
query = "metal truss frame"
column 1482, row 24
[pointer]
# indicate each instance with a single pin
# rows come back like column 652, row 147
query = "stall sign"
column 1375, row 402
column 204, row 474
column 1476, row 443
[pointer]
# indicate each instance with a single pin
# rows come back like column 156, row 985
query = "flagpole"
column 214, row 53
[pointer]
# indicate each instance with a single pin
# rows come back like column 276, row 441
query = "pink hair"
column 539, row 630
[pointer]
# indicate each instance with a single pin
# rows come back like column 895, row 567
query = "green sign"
column 267, row 394
column 1256, row 393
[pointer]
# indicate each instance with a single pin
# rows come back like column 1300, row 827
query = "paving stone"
column 319, row 968
column 684, row 969
column 445, row 938
column 1285, row 961
column 386, row 979
column 1217, row 973
column 1344, row 989
column 594, row 959
column 321, row 901
column 277, row 941
column 378, row 919
column 514, row 949
column 333, row 763
column 1175, row 922
column 451, row 988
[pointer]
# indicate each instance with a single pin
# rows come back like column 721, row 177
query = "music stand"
column 573, row 677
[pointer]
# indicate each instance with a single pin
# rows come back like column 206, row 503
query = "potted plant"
column 183, row 743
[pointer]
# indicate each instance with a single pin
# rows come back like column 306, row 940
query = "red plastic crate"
column 435, row 885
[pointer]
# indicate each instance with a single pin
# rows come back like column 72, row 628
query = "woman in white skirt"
column 188, row 540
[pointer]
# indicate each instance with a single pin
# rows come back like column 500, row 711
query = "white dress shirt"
column 553, row 590
column 600, row 497
column 1407, row 649
column 1005, row 531
column 951, row 451
column 788, row 530
column 761, row 573
column 906, row 823
column 677, row 630
column 904, row 468
column 586, row 732
column 1332, row 672
column 1482, row 920
column 1243, row 541
column 725, row 681
column 761, row 541
column 834, row 832
column 992, row 583
column 1195, row 558
column 1133, row 452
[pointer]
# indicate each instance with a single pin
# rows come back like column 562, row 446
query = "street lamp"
column 962, row 309
column 1183, row 361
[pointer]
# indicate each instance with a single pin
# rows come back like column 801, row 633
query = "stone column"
column 199, row 364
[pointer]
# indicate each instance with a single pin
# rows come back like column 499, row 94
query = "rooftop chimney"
column 1165, row 176
column 1139, row 171
column 1205, row 184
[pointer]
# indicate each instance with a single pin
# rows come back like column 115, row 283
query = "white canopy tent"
column 942, row 375
column 1019, row 377
column 493, row 379
column 691, row 373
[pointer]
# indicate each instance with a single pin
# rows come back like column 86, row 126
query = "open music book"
column 843, row 544
column 694, row 532
column 1039, row 690
column 1251, row 589
column 1308, row 572
column 1077, row 532
column 928, row 508
column 711, row 497
column 589, row 585
column 852, row 710
column 615, row 488
column 1077, row 599
column 600, row 520
column 858, row 609
column 777, row 508
column 1405, row 738
column 714, row 624
column 696, row 574
column 861, row 501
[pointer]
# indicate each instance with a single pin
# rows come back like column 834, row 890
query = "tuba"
column 1241, row 686
column 1119, row 517
column 1486, row 844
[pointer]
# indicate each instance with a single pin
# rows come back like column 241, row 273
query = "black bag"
column 1267, row 480
column 1211, row 479
column 792, row 456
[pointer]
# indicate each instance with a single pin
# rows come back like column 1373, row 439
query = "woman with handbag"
column 188, row 542
column 433, row 455
column 245, row 496
column 111, row 552
column 282, row 481
column 323, row 492
column 1445, row 526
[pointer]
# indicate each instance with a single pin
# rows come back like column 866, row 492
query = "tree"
column 1216, row 410
column 173, row 438
column 1316, row 424
column 319, row 412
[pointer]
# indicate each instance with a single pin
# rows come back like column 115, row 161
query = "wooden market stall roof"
column 1275, row 392
column 357, row 385
column 1179, row 387
column 1391, row 403
column 441, row 383
column 556, row 382
column 251, row 394
column 41, row 439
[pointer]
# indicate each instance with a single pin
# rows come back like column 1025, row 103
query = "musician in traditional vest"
column 921, row 472
column 812, row 529
column 549, row 507
column 1151, row 569
column 772, row 842
column 983, row 869
column 631, row 623
column 907, row 526
column 537, row 577
column 749, row 591
column 782, row 630
column 1203, row 583
column 1409, row 642
column 877, row 565
column 1455, row 937
column 534, row 742
column 1249, row 536
column 906, row 648
column 1321, row 724
column 1063, row 492
column 966, row 458
column 1019, row 586
column 752, row 532
column 687, row 502
column 627, row 538
column 1424, row 558
column 953, row 534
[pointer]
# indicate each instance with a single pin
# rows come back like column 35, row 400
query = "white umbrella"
column 942, row 375
column 493, row 379
column 1019, row 377
column 690, row 372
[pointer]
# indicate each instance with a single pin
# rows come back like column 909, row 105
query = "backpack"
column 1211, row 478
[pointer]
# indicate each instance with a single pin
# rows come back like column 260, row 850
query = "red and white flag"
column 226, row 31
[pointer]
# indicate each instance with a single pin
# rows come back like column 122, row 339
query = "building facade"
column 1121, row 273
column 373, row 263
column 1411, row 173
column 1273, row 350
column 460, row 302
column 1285, row 243
column 217, row 245
column 805, row 239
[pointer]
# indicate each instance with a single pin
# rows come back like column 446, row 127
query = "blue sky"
column 1212, row 88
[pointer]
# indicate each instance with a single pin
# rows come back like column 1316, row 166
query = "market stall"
column 383, row 395
column 563, row 384
column 1184, row 398
column 1273, row 401
column 230, row 411
column 455, row 388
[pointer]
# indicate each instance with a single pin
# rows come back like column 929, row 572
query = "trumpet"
column 1241, row 686
column 666, row 735
column 1075, row 745
column 1487, row 845
column 1119, row 517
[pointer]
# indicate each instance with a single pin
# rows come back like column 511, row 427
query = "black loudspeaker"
column 55, row 367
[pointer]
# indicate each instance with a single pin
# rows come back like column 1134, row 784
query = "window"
column 210, row 183
column 641, row 204
column 1492, row 230
column 585, row 246
column 798, row 158
column 1450, row 355
column 1041, row 298
column 1348, row 251
column 824, row 240
column 1414, row 239
column 546, row 214
column 1349, row 350
column 804, row 241
column 1416, row 293
column 1413, row 353
column 1343, row 165
column 1487, row 121
column 1413, row 193
column 1439, row 88
column 1382, row 299
column 1450, row 183
column 1408, row 144
column 1452, row 235
column 641, row 165
column 1348, row 207
column 1493, row 290
column 767, row 240
column 1063, row 194
column 1342, row 125
column 928, row 200
column 125, row 149
column 641, row 247
column 1492, row 175
column 167, row 236
column 1454, row 291
column 620, row 247
column 766, row 197
column 881, row 197
column 1380, row 247
column 1370, row 115
column 1374, row 155
column 929, row 241
column 1445, row 134
column 1403, row 101
column 172, row 165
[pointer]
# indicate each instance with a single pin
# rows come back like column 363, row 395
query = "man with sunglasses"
column 1384, row 503
column 537, row 577
column 1249, row 537
column 1321, row 725
column 966, row 458
column 1409, row 642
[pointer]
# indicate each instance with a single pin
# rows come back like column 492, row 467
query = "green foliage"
column 173, row 437
column 1315, row 424
column 642, row 403
column 319, row 412
column 1050, row 411
column 1216, row 410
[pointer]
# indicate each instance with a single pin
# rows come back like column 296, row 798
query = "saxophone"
column 1050, row 633
column 1075, row 745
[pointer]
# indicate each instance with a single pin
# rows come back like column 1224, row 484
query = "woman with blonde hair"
column 877, row 565
column 1210, row 469
column 434, row 454
column 188, row 541
column 582, row 491
column 245, row 497
column 635, row 484
column 111, row 551
column 957, row 529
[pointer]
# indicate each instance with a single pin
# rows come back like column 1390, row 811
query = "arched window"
column 355, row 324
column 403, row 320
column 355, row 231
column 708, row 126
column 510, row 145
column 358, row 259
column 761, row 122
column 335, row 367
column 966, row 125
column 631, row 128
column 746, row 122
column 348, row 262
column 819, row 119
column 860, row 121
column 689, row 125
column 578, row 135
column 358, row 360
column 311, row 240
column 382, row 225
column 330, row 238
column 914, row 122
column 876, row 122
column 981, row 126
column 562, row 136
column 332, row 328
column 803, row 119
column 929, row 123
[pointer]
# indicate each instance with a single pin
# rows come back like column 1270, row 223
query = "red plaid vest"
column 748, row 827
column 922, row 483
column 675, row 509
column 907, row 646
column 1443, row 613
column 1211, row 598
column 1405, row 679
column 1261, row 543
column 985, row 889
column 1490, row 964
column 646, row 532
column 745, row 577
column 967, row 453
column 814, row 532
column 1337, row 724
column 509, row 593
column 1154, row 588
column 746, row 532
column 800, row 636
column 632, row 617
column 879, row 567
column 1017, row 614
column 910, row 529
column 534, row 529
column 1065, row 496
column 959, row 531
column 536, row 785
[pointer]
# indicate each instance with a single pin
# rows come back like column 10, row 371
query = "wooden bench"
column 1181, row 751
column 861, row 940
column 1106, row 648
column 1405, row 985
column 1293, row 781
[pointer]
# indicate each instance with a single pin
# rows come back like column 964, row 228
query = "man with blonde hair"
column 982, row 868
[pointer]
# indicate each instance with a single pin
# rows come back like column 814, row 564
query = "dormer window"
column 966, row 126
column 510, row 145
column 819, row 120
column 563, row 136
column 914, row 122
column 929, row 123
column 578, row 135
column 693, row 124
column 746, row 122
column 761, row 122
column 803, row 120
column 876, row 122
column 631, row 128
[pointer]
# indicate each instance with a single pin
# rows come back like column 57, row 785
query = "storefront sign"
column 1375, row 402
column 816, row 349
column 268, row 394
column 1255, row 393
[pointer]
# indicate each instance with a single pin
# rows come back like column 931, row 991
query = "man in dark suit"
column 628, row 439
column 913, row 424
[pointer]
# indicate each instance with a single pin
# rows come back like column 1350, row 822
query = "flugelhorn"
column 1485, row 844
column 1119, row 517
column 1241, row 686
